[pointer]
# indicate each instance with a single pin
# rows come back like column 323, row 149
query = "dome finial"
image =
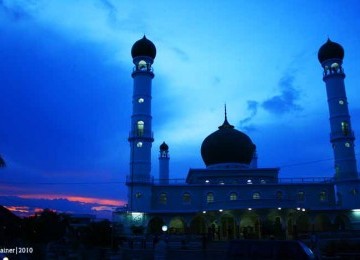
column 226, row 123
column 225, row 113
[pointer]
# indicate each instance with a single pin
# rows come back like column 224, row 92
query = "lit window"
column 279, row 195
column 233, row 196
column 301, row 196
column 142, row 65
column 186, row 197
column 139, row 144
column 210, row 197
column 163, row 198
column 347, row 144
column 140, row 128
column 323, row 196
column 141, row 100
column 345, row 127
column 334, row 65
column 341, row 102
column 249, row 182
column 354, row 191
column 256, row 195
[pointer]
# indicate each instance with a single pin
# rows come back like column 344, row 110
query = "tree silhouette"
column 2, row 162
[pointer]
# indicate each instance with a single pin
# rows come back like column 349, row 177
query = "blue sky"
column 66, row 86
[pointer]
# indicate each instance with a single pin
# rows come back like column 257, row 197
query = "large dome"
column 330, row 50
column 143, row 47
column 227, row 145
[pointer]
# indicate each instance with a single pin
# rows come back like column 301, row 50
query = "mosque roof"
column 143, row 47
column 227, row 145
column 330, row 50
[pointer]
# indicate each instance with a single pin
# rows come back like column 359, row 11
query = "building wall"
column 174, row 197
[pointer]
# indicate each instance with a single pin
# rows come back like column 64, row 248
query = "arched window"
column 186, row 197
column 142, row 65
column 323, row 196
column 163, row 198
column 301, row 196
column 345, row 128
column 140, row 128
column 256, row 195
column 279, row 195
column 233, row 196
column 210, row 197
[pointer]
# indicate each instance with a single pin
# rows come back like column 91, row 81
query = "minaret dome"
column 143, row 47
column 330, row 50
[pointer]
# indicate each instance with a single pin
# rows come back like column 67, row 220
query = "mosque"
column 232, row 197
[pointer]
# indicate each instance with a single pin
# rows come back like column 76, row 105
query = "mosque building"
column 232, row 196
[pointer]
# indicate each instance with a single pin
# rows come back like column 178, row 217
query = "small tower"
column 164, row 159
column 141, row 138
column 342, row 137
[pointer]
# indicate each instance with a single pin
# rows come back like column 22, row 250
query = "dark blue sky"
column 65, row 88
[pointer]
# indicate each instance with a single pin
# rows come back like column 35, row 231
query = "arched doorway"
column 176, row 226
column 302, row 224
column 154, row 226
column 198, row 225
column 342, row 222
column 227, row 226
column 322, row 223
column 250, row 225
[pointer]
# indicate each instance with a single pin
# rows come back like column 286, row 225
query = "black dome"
column 330, row 50
column 227, row 145
column 164, row 147
column 143, row 47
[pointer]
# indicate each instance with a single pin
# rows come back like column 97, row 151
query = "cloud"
column 180, row 53
column 28, row 205
column 14, row 11
column 252, row 108
column 285, row 102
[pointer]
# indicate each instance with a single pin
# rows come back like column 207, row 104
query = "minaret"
column 164, row 159
column 342, row 137
column 141, row 138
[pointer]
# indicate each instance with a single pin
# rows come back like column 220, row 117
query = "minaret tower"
column 342, row 137
column 141, row 138
column 164, row 159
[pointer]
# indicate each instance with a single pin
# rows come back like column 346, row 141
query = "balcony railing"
column 135, row 179
column 180, row 181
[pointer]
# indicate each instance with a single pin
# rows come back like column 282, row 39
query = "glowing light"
column 279, row 208
column 220, row 210
column 249, row 208
column 355, row 210
column 303, row 209
column 204, row 212
column 164, row 228
column 137, row 214
column 207, row 181
column 298, row 208
column 249, row 182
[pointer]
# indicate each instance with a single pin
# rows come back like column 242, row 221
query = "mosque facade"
column 231, row 196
